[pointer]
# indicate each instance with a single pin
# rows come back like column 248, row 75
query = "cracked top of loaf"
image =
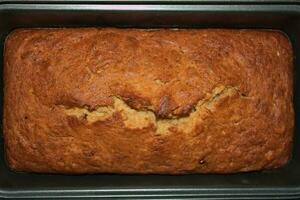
column 91, row 100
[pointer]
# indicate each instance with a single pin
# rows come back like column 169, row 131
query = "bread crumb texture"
column 94, row 100
column 138, row 119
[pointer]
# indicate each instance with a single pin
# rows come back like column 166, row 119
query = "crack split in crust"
column 138, row 119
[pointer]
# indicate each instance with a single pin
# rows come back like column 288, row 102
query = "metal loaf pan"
column 285, row 16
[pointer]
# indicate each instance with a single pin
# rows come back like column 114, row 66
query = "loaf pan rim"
column 155, row 1
column 156, row 193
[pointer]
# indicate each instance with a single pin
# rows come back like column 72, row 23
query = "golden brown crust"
column 147, row 101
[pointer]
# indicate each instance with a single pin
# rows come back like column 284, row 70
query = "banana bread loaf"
column 91, row 100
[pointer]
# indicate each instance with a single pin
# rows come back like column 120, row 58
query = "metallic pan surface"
column 281, row 183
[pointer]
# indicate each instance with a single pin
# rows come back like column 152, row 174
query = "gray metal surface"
column 158, row 1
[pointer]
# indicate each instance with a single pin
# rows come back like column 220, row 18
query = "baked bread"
column 91, row 100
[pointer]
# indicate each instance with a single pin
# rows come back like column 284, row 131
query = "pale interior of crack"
column 138, row 119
